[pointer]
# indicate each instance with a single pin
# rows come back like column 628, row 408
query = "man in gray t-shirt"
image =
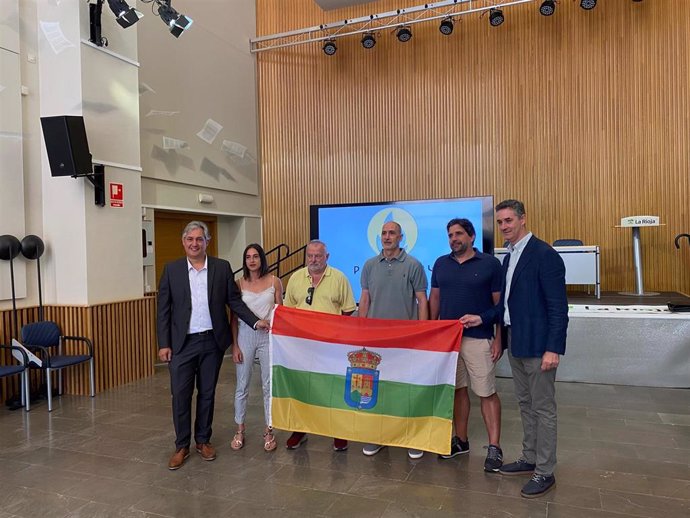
column 393, row 283
column 393, row 287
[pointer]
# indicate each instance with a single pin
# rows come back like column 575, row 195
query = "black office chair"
column 11, row 370
column 44, row 340
column 568, row 242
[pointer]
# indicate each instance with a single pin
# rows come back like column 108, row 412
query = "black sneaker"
column 538, row 485
column 519, row 467
column 494, row 459
column 457, row 447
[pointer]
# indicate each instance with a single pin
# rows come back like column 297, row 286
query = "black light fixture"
column 177, row 22
column 588, row 5
column 547, row 8
column 404, row 34
column 446, row 27
column 125, row 15
column 496, row 17
column 368, row 40
column 329, row 47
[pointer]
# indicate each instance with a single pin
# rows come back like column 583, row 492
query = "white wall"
column 93, row 254
column 11, row 172
column 208, row 73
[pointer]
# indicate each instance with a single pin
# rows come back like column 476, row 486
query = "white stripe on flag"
column 402, row 365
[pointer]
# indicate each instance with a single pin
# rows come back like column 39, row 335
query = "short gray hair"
column 193, row 225
column 516, row 205
column 319, row 243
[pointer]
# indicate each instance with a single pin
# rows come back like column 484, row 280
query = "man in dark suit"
column 193, row 335
column 534, row 314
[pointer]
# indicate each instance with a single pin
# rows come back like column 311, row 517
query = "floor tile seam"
column 664, row 430
column 476, row 492
column 38, row 490
column 656, row 463
column 161, row 482
column 394, row 480
column 345, row 492
column 33, row 490
column 491, row 478
column 92, row 476
column 645, row 477
column 613, row 454
column 678, row 445
column 630, row 441
column 136, row 506
column 576, row 508
column 93, row 502
column 516, row 499
column 337, row 502
column 102, row 456
column 100, row 438
column 661, row 497
column 393, row 498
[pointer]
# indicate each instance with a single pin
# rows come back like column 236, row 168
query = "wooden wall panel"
column 123, row 334
column 584, row 116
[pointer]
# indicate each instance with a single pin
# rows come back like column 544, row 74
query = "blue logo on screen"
column 400, row 216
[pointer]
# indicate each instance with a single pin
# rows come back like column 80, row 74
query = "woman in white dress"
column 260, row 292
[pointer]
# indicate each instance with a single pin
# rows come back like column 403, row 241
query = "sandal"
column 269, row 440
column 238, row 440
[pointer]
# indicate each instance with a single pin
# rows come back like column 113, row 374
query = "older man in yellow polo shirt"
column 319, row 287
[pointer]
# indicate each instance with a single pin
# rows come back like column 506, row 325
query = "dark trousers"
column 197, row 363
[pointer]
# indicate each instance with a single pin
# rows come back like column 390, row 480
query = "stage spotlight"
column 403, row 34
column 496, row 17
column 177, row 22
column 588, row 4
column 368, row 40
column 547, row 7
column 329, row 47
column 125, row 15
column 446, row 26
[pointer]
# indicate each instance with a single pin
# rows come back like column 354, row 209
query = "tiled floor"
column 623, row 451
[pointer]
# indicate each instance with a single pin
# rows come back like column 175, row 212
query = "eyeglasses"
column 310, row 295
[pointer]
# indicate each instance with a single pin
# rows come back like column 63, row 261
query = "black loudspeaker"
column 67, row 146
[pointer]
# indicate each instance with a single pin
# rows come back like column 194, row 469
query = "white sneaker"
column 372, row 449
column 415, row 454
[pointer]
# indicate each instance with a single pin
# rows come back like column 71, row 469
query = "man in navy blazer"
column 534, row 314
column 193, row 335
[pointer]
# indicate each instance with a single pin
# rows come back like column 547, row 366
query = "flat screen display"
column 352, row 232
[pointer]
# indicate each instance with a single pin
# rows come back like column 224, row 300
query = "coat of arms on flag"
column 362, row 379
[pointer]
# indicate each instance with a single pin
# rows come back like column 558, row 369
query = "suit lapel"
column 209, row 278
column 525, row 257
column 184, row 281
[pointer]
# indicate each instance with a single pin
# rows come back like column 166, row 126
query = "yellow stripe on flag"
column 421, row 433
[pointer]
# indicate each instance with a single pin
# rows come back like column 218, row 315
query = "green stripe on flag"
column 394, row 398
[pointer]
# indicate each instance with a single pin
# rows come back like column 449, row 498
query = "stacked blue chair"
column 45, row 341
column 12, row 370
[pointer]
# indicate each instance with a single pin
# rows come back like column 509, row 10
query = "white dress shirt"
column 515, row 253
column 198, row 285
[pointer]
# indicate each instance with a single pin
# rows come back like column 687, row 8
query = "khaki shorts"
column 474, row 361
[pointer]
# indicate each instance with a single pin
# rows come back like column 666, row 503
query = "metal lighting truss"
column 378, row 22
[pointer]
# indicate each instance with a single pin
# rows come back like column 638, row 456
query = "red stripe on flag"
column 426, row 335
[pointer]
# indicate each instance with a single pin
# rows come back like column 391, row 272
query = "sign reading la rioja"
column 640, row 221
